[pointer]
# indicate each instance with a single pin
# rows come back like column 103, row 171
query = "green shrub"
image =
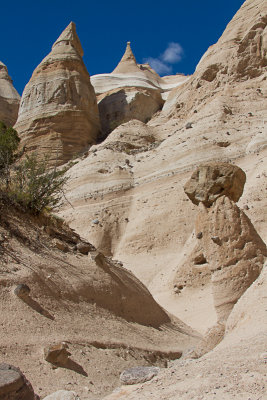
column 9, row 141
column 30, row 182
column 35, row 187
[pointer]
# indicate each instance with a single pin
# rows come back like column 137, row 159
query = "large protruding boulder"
column 9, row 98
column 208, row 182
column 14, row 385
column 58, row 112
column 231, row 247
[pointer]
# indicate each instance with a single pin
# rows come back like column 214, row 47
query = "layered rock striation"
column 58, row 113
column 9, row 98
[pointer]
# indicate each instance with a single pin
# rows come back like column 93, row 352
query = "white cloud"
column 159, row 66
column 163, row 64
column 173, row 54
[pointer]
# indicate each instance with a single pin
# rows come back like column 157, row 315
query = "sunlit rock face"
column 9, row 97
column 58, row 113
column 131, row 91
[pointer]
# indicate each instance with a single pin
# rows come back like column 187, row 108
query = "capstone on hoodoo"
column 234, row 251
column 58, row 113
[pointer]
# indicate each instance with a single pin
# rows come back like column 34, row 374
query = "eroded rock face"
column 122, row 105
column 234, row 251
column 239, row 54
column 9, row 98
column 209, row 182
column 14, row 385
column 58, row 113
column 131, row 91
column 231, row 247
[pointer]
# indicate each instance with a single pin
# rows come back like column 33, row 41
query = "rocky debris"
column 62, row 395
column 57, row 354
column 232, row 248
column 208, row 182
column 14, row 385
column 58, row 112
column 189, row 125
column 131, row 376
column 9, row 98
column 61, row 245
column 84, row 247
column 22, row 291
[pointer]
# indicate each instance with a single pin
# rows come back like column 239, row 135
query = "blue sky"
column 173, row 32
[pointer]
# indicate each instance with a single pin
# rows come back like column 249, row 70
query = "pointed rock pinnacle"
column 127, row 63
column 69, row 36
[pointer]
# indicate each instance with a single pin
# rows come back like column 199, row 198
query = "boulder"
column 58, row 113
column 9, row 98
column 211, row 181
column 131, row 376
column 14, row 385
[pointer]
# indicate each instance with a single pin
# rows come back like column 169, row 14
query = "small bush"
column 29, row 183
column 9, row 141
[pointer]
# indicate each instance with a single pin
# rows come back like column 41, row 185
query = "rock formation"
column 131, row 91
column 240, row 54
column 9, row 98
column 136, row 100
column 14, row 385
column 232, row 248
column 58, row 113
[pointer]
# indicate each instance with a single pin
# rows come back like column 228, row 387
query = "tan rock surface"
column 131, row 91
column 58, row 113
column 234, row 251
column 96, row 307
column 9, row 98
column 235, row 369
column 145, row 218
column 122, row 105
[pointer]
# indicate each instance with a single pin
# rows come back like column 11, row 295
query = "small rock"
column 61, row 246
column 216, row 239
column 62, row 395
column 199, row 235
column 22, row 291
column 95, row 221
column 57, row 354
column 84, row 247
column 246, row 207
column 135, row 375
column 188, row 125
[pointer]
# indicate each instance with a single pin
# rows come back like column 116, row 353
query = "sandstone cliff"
column 58, row 113
column 9, row 98
column 137, row 194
